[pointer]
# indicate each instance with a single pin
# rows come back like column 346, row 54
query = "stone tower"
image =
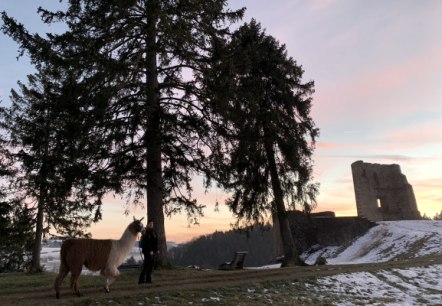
column 383, row 193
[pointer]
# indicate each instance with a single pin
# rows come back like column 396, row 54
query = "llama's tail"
column 63, row 271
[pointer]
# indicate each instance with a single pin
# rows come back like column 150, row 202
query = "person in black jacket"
column 149, row 243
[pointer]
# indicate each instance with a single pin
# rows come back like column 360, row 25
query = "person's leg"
column 150, row 264
column 143, row 274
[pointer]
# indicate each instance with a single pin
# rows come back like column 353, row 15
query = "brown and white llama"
column 96, row 255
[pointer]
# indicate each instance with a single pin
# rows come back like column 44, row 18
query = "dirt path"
column 186, row 279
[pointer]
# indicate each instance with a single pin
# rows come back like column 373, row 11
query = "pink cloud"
column 426, row 133
column 328, row 149
column 351, row 95
column 327, row 145
column 428, row 186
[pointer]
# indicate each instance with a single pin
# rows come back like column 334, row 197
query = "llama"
column 96, row 255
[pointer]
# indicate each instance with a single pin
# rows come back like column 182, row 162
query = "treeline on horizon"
column 210, row 251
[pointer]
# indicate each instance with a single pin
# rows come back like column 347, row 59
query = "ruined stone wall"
column 383, row 193
column 321, row 228
column 340, row 230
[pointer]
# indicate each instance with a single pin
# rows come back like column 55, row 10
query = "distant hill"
column 210, row 251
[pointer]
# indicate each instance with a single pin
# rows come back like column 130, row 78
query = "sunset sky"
column 377, row 67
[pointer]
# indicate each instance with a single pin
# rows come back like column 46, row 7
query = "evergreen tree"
column 137, row 63
column 425, row 217
column 52, row 177
column 263, row 108
column 437, row 216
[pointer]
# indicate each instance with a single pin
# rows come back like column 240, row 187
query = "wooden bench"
column 236, row 263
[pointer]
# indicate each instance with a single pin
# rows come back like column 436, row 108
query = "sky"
column 377, row 68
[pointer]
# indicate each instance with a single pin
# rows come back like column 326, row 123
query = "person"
column 149, row 243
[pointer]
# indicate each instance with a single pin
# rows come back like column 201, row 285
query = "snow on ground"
column 413, row 286
column 387, row 241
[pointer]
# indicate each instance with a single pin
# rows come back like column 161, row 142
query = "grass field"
column 311, row 285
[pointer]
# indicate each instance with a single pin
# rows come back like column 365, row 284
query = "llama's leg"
column 75, row 274
column 110, row 275
column 109, row 281
column 59, row 279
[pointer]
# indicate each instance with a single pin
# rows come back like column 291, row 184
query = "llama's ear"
column 134, row 218
column 141, row 219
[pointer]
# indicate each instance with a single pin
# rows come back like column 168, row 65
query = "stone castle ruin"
column 383, row 193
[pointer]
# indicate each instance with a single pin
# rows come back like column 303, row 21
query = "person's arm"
column 151, row 243
column 155, row 240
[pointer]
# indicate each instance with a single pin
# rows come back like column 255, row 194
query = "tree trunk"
column 290, row 252
column 42, row 196
column 152, row 139
column 155, row 197
column 36, row 250
column 276, row 233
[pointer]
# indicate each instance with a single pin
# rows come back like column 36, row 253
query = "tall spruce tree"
column 263, row 108
column 137, row 63
column 52, row 177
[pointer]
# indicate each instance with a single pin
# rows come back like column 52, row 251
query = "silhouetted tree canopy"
column 138, row 96
column 53, row 176
column 438, row 216
column 136, row 67
column 264, row 156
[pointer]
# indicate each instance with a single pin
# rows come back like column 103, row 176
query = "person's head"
column 150, row 223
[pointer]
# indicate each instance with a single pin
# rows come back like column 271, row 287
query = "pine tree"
column 52, row 177
column 137, row 63
column 263, row 108
column 437, row 216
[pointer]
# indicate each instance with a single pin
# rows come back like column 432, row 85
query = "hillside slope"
column 390, row 240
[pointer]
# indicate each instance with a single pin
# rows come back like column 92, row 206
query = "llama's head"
column 136, row 226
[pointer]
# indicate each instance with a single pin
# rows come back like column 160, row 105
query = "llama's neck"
column 121, row 248
column 127, row 240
